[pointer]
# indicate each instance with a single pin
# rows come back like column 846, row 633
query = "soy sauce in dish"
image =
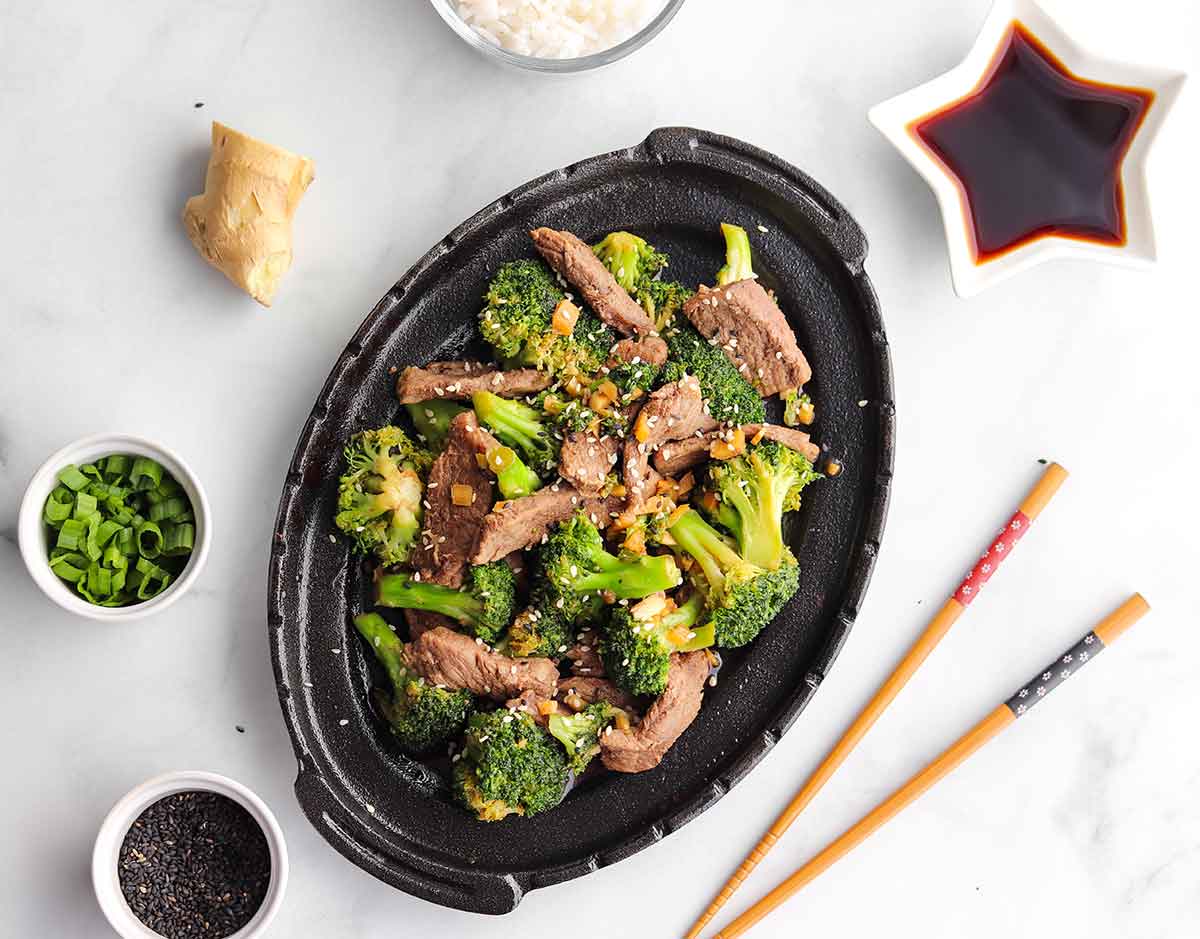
column 1036, row 150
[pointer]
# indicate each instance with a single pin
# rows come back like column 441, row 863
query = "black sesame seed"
column 194, row 865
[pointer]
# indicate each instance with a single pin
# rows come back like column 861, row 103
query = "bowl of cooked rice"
column 557, row 36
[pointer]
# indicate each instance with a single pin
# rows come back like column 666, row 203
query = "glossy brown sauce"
column 1037, row 150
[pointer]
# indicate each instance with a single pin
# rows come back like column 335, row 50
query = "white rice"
column 557, row 29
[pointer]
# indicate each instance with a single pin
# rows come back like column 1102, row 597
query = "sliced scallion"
column 71, row 535
column 178, row 539
column 70, row 477
column 169, row 509
column 149, row 540
column 58, row 506
column 145, row 474
column 85, row 505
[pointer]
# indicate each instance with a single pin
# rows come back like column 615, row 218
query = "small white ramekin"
column 34, row 542
column 107, row 851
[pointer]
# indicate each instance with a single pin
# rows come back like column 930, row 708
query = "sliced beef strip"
column 642, row 748
column 445, row 657
column 753, row 332
column 521, row 523
column 577, row 262
column 448, row 539
column 584, row 655
column 645, row 349
column 673, row 459
column 421, row 621
column 641, row 482
column 586, row 460
column 673, row 412
column 434, row 381
column 591, row 690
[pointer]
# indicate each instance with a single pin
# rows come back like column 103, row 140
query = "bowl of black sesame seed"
column 190, row 855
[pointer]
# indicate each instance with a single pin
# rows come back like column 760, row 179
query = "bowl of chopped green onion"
column 114, row 527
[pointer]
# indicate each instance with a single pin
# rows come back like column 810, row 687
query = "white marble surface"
column 1081, row 821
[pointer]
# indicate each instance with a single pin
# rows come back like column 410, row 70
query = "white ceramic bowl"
column 584, row 63
column 34, row 542
column 112, row 833
column 895, row 117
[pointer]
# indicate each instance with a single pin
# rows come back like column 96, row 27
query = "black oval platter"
column 394, row 817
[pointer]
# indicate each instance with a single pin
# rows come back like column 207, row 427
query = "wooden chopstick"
column 1087, row 648
column 1031, row 507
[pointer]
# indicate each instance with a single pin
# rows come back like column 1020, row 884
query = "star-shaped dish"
column 1012, row 191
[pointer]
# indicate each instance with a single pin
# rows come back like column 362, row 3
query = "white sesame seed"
column 335, row 651
column 343, row 722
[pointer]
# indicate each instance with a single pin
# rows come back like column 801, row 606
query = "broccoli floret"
column 534, row 633
column 738, row 261
column 628, row 376
column 513, row 478
column 730, row 397
column 519, row 426
column 432, row 420
column 580, row 733
column 516, row 318
column 630, row 259
column 508, row 766
column 637, row 650
column 750, row 494
column 573, row 415
column 662, row 299
column 572, row 575
column 484, row 606
column 742, row 597
column 420, row 715
column 574, row 570
column 379, row 494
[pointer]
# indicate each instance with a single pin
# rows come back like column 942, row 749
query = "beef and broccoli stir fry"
column 573, row 530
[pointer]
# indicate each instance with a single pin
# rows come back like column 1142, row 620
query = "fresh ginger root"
column 242, row 224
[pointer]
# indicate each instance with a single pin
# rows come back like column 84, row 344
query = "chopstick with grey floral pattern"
column 1103, row 635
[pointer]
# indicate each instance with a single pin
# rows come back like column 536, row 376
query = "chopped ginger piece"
column 728, row 449
column 461, row 494
column 641, row 430
column 565, row 315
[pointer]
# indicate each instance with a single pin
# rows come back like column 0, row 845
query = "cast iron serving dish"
column 394, row 817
